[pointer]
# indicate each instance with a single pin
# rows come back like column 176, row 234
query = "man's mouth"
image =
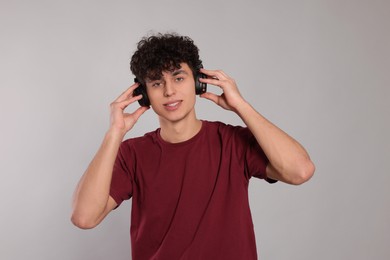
column 172, row 104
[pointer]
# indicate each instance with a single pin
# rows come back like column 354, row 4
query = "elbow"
column 304, row 173
column 82, row 222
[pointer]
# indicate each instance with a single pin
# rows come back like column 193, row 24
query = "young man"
column 189, row 178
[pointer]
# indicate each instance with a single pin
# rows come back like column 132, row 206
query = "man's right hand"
column 92, row 200
column 120, row 121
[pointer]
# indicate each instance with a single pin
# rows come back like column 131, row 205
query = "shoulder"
column 141, row 142
column 217, row 125
column 227, row 129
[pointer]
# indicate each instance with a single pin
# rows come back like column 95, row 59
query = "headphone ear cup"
column 200, row 87
column 141, row 90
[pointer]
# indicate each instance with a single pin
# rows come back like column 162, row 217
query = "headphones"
column 200, row 88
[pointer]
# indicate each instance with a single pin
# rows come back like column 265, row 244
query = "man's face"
column 172, row 96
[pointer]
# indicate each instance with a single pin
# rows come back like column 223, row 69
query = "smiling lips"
column 172, row 105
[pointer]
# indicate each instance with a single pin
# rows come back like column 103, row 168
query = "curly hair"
column 163, row 52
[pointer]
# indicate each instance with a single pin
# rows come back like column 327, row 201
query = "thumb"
column 140, row 111
column 210, row 96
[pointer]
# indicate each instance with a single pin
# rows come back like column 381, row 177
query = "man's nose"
column 169, row 88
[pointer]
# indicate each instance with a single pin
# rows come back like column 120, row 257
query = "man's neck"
column 181, row 131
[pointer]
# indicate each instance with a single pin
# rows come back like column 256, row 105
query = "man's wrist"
column 243, row 108
column 115, row 135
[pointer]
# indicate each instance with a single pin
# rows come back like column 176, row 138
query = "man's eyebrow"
column 177, row 72
column 150, row 80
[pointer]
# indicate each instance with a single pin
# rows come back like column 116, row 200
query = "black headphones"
column 200, row 88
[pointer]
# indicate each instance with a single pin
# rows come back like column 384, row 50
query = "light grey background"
column 318, row 69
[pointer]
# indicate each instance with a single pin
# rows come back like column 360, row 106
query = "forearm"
column 92, row 193
column 289, row 161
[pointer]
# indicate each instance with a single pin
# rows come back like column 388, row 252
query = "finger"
column 210, row 73
column 215, row 82
column 210, row 96
column 137, row 113
column 216, row 74
column 127, row 93
column 133, row 117
column 125, row 103
column 130, row 100
column 221, row 74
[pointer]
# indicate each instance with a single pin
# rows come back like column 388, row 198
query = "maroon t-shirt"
column 190, row 199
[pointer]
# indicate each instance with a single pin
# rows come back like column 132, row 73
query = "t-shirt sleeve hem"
column 270, row 181
column 116, row 198
column 266, row 178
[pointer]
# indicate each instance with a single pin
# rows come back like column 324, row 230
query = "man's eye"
column 179, row 79
column 156, row 84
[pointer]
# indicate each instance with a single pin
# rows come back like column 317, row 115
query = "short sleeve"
column 255, row 159
column 122, row 182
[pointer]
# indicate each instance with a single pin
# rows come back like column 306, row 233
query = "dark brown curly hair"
column 163, row 52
